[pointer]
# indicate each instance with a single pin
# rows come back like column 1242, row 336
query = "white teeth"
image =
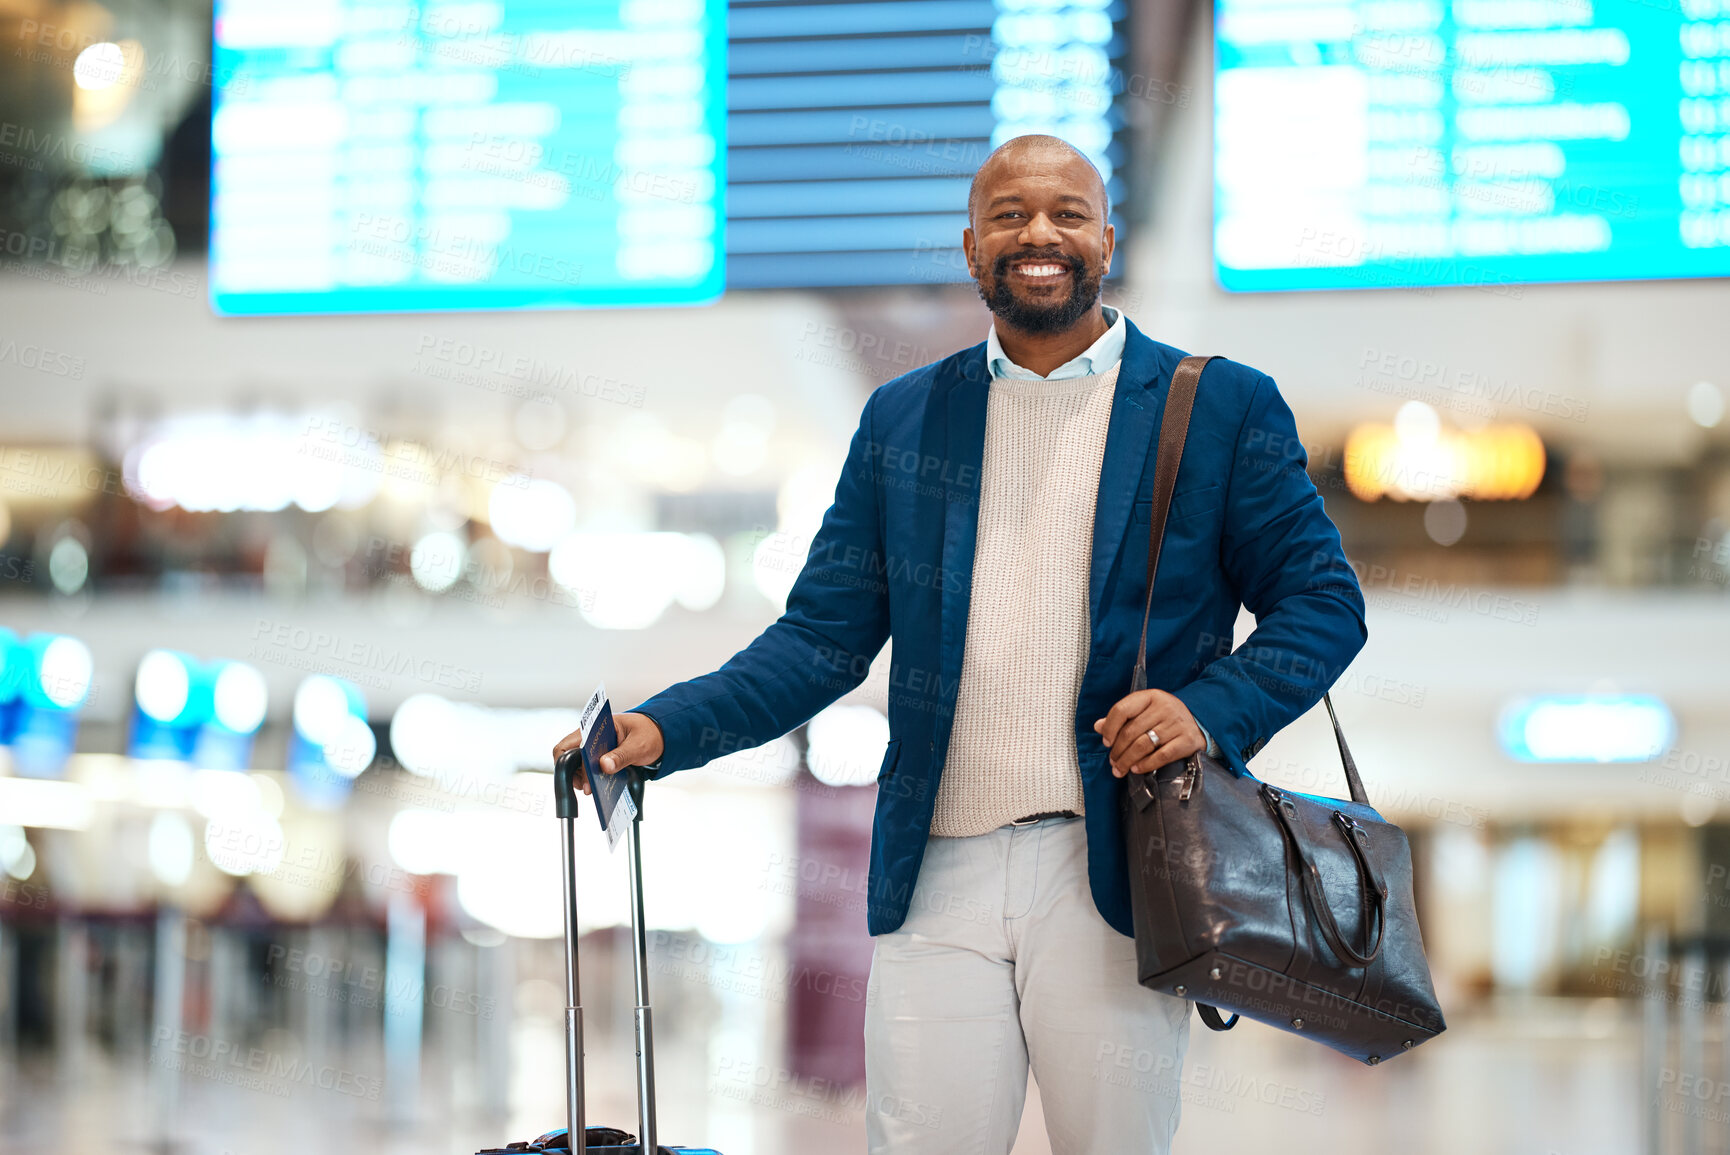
column 1039, row 270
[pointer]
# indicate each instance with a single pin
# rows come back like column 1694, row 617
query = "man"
column 992, row 518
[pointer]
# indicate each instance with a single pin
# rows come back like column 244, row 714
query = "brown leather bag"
column 1290, row 909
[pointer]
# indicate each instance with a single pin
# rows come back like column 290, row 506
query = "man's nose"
column 1039, row 231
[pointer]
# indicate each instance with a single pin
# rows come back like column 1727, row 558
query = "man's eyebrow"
column 1013, row 198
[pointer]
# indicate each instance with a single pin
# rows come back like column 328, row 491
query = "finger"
column 1175, row 750
column 633, row 750
column 1121, row 712
column 1132, row 732
column 1141, row 748
column 1113, row 720
column 1178, row 734
column 1132, row 740
column 569, row 742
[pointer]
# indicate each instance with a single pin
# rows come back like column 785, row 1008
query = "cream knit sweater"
column 1012, row 747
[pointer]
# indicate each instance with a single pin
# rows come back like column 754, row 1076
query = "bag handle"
column 1373, row 887
column 1173, row 432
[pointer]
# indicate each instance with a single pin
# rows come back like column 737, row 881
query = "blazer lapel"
column 963, row 448
column 1136, row 409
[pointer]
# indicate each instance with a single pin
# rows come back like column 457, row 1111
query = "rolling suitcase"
column 601, row 1140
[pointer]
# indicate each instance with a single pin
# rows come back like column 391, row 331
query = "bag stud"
column 1297, row 1024
column 1373, row 1060
column 1187, row 786
column 1180, row 990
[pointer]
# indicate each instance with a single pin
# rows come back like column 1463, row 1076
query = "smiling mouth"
column 1040, row 272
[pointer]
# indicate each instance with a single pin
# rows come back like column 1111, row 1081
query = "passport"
column 613, row 804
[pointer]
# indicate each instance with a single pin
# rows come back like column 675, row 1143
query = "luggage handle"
column 640, row 957
column 567, row 771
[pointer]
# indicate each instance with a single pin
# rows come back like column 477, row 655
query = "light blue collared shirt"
column 1096, row 358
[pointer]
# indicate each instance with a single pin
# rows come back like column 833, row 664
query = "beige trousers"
column 1004, row 962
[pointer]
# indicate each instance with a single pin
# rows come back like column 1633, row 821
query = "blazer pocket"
column 1204, row 499
column 1189, row 503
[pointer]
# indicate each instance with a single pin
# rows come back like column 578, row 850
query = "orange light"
column 1371, row 454
column 1496, row 463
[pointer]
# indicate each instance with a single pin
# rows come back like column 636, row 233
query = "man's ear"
column 1108, row 248
column 967, row 248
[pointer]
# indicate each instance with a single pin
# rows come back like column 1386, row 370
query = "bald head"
column 1036, row 153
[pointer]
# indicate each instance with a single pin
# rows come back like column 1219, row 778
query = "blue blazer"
column 894, row 558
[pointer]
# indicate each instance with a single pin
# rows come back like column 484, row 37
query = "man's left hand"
column 1125, row 730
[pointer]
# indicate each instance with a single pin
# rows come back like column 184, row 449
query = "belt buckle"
column 1029, row 820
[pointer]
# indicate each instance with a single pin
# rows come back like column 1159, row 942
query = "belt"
column 1030, row 819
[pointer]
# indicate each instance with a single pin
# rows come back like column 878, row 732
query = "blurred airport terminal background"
column 377, row 379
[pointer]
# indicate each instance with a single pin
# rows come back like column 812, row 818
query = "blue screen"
column 491, row 154
column 1484, row 143
column 854, row 128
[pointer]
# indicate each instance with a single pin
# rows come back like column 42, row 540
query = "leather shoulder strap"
column 1173, row 431
column 1214, row 1020
column 1353, row 783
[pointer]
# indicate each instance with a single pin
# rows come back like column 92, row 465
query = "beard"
column 1039, row 317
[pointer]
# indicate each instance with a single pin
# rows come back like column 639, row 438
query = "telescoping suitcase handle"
column 566, row 773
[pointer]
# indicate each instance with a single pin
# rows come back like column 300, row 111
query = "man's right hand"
column 640, row 743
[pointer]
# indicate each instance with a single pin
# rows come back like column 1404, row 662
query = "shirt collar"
column 1096, row 358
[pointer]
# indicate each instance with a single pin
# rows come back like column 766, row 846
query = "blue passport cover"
column 613, row 803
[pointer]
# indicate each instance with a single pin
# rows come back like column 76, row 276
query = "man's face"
column 1039, row 244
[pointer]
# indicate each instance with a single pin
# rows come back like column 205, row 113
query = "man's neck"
column 1043, row 352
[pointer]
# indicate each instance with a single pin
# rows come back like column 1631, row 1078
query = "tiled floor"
column 1552, row 1078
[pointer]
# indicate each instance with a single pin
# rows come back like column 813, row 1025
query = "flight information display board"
column 1486, row 143
column 491, row 154
column 854, row 128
